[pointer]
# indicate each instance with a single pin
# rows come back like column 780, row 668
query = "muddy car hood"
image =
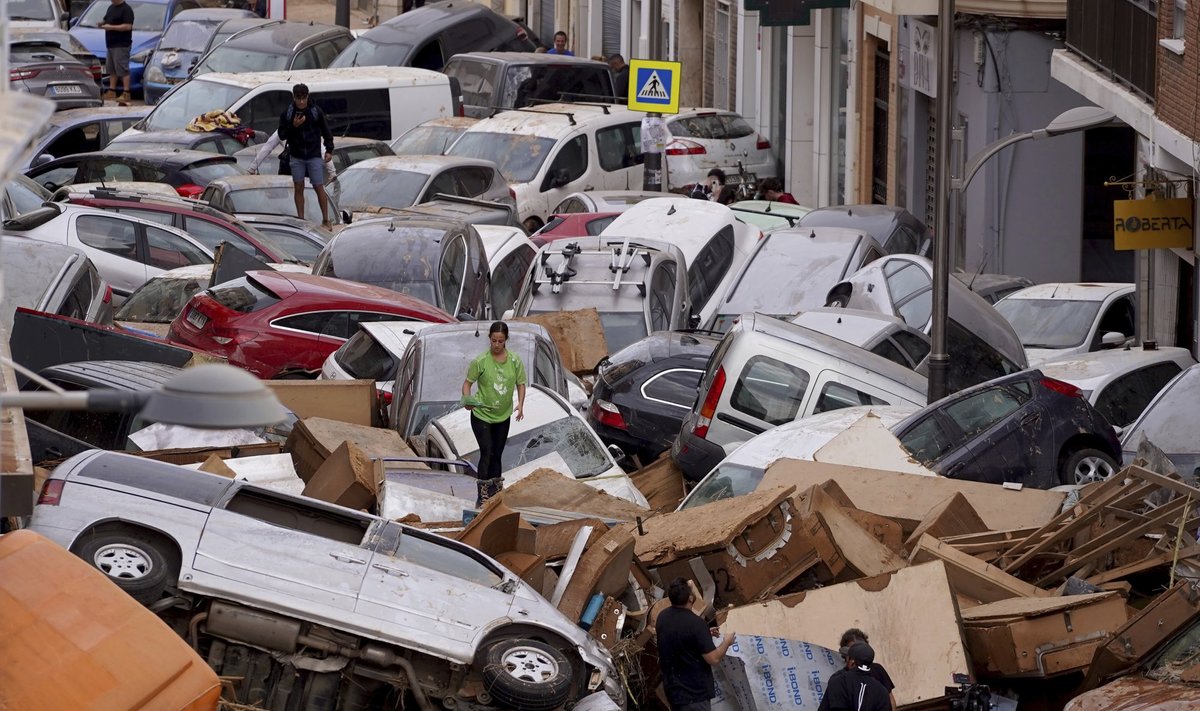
column 1137, row 693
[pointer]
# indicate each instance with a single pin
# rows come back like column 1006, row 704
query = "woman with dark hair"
column 499, row 372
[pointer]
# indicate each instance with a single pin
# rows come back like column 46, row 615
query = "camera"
column 967, row 696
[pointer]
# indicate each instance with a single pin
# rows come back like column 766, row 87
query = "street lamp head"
column 214, row 396
column 1079, row 118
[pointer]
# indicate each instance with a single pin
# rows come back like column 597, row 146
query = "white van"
column 368, row 102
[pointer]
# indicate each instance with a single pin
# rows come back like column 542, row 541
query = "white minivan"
column 367, row 102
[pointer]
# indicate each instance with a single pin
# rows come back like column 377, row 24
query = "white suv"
column 548, row 152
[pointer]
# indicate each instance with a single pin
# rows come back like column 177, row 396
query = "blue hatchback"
column 181, row 47
column 150, row 18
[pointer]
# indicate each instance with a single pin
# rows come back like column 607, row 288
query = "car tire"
column 1088, row 465
column 132, row 561
column 527, row 674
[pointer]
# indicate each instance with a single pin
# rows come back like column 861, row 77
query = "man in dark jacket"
column 620, row 72
column 303, row 127
column 855, row 688
column 686, row 651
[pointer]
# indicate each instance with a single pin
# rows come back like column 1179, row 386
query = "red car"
column 573, row 224
column 284, row 325
column 204, row 223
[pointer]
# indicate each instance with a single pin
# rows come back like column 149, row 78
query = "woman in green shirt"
column 499, row 372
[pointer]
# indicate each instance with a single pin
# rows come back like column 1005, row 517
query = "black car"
column 217, row 142
column 428, row 36
column 187, row 171
column 1024, row 428
column 644, row 391
column 897, row 229
column 276, row 46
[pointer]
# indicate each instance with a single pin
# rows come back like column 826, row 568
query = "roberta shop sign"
column 1153, row 223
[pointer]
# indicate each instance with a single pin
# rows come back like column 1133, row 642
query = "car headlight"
column 141, row 57
column 155, row 74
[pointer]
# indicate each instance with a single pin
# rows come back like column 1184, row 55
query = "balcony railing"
column 1119, row 36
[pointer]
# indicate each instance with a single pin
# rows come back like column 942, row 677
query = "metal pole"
column 939, row 360
column 342, row 13
column 652, row 166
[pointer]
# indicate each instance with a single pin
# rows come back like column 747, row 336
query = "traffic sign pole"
column 652, row 167
column 654, row 88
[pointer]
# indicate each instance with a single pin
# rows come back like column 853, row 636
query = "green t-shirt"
column 497, row 384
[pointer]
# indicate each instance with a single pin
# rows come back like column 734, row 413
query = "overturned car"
column 299, row 598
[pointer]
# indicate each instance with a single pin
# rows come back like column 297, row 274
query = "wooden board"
column 548, row 489
column 953, row 517
column 906, row 498
column 703, row 528
column 578, row 335
column 910, row 616
column 866, row 555
column 352, row 401
column 661, row 483
column 970, row 577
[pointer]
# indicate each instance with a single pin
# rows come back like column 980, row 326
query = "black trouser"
column 491, row 438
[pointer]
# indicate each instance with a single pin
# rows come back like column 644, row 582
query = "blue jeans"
column 314, row 168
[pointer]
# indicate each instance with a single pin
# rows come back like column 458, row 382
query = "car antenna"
column 671, row 211
column 978, row 271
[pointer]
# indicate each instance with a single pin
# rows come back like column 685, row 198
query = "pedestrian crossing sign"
column 654, row 86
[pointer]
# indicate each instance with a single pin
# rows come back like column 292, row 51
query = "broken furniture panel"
column 1145, row 633
column 953, row 517
column 313, row 439
column 971, row 578
column 579, row 336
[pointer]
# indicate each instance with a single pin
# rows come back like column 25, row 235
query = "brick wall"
column 1178, row 86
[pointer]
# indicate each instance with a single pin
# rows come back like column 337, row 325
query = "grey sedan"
column 397, row 182
column 45, row 69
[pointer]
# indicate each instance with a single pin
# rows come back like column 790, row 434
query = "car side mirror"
column 694, row 321
column 74, row 21
column 557, row 179
column 1112, row 339
column 508, row 314
column 64, row 16
column 617, row 453
column 465, row 315
column 41, row 159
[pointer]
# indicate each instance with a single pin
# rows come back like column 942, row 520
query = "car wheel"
column 532, row 224
column 133, row 562
column 527, row 674
column 1088, row 465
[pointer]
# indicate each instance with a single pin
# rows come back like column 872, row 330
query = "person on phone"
column 499, row 373
column 687, row 652
column 303, row 127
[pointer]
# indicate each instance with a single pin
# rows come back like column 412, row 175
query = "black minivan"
column 496, row 81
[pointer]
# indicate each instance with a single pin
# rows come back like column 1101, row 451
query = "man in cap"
column 853, row 635
column 854, row 688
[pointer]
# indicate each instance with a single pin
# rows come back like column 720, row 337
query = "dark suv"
column 428, row 36
column 495, row 81
column 276, row 46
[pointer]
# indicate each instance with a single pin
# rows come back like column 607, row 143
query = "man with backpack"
column 855, row 688
column 303, row 127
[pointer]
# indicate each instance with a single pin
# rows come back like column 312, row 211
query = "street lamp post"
column 1073, row 120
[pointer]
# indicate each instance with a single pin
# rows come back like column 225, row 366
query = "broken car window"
column 518, row 157
column 569, row 437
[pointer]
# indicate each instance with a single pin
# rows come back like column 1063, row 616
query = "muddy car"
column 307, row 599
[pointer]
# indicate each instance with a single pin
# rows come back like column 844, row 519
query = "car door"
column 769, row 390
column 112, row 244
column 263, row 546
column 834, row 390
column 619, row 156
column 1122, row 400
column 426, row 589
column 566, row 174
column 161, row 250
column 660, row 302
column 995, row 438
column 1118, row 317
column 452, row 273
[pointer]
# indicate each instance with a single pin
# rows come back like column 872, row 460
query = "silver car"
column 42, row 68
column 340, row 600
column 397, row 182
column 52, row 278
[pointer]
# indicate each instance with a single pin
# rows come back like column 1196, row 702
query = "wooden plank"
column 970, row 576
column 954, row 516
column 1163, row 481
column 906, row 498
column 1143, row 565
column 897, row 610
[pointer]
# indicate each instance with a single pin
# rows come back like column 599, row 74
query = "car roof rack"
column 791, row 219
column 569, row 115
column 621, row 257
column 569, row 97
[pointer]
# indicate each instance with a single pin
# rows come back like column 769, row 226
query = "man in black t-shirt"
column 686, row 653
column 855, row 688
column 118, row 37
column 853, row 635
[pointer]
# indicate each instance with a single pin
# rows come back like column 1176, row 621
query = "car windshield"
column 275, row 201
column 159, row 300
column 188, row 35
column 518, row 157
column 207, row 171
column 236, row 59
column 787, row 275
column 31, row 53
column 363, row 358
column 368, row 52
column 302, row 249
column 426, row 141
column 364, row 188
column 147, row 16
column 25, row 195
column 725, row 482
column 1167, row 422
column 1050, row 323
column 376, row 258
column 33, row 10
column 568, row 437
column 189, row 100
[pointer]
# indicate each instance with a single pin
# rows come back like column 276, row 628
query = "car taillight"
column 51, row 492
column 22, row 74
column 385, row 396
column 512, row 193
column 607, row 414
column 1062, row 388
column 189, row 190
column 96, row 71
column 107, row 294
column 710, row 404
column 762, row 144
column 685, row 148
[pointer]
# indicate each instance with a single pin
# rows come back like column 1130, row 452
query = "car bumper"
column 694, row 455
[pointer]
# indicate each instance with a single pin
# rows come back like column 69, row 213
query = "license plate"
column 64, row 89
column 197, row 319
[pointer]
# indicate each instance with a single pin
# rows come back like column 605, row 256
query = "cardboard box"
column 548, row 489
column 578, row 335
column 313, row 439
column 353, row 401
column 347, row 478
column 909, row 615
column 1042, row 636
column 864, row 554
